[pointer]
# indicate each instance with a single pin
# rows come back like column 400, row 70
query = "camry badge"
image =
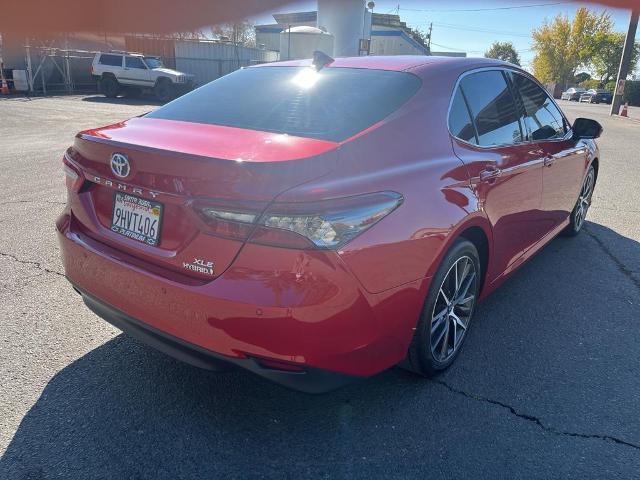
column 120, row 165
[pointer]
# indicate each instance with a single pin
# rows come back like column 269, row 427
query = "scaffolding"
column 54, row 70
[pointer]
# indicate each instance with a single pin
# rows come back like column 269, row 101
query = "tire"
column 579, row 212
column 110, row 87
column 163, row 90
column 438, row 337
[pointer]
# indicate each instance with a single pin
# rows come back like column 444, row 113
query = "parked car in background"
column 293, row 219
column 573, row 94
column 133, row 73
column 596, row 96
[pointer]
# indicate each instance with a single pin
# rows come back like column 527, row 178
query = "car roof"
column 120, row 52
column 394, row 62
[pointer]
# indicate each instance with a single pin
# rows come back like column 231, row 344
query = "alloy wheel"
column 584, row 201
column 453, row 308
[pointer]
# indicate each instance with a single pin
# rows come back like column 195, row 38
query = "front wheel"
column 163, row 91
column 579, row 213
column 447, row 312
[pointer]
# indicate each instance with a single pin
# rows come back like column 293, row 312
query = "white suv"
column 131, row 73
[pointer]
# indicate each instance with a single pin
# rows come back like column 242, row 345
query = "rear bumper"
column 294, row 307
column 308, row 380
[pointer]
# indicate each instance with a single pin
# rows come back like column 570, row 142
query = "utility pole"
column 429, row 38
column 625, row 62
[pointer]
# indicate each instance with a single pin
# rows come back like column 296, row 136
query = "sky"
column 455, row 29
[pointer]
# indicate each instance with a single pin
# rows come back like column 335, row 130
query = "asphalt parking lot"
column 547, row 385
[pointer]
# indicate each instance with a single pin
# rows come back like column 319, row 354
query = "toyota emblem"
column 120, row 165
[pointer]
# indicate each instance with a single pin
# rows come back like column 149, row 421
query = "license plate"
column 136, row 218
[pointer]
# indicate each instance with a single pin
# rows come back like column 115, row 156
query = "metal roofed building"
column 389, row 35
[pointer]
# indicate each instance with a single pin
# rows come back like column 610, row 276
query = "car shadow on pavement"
column 124, row 410
column 142, row 100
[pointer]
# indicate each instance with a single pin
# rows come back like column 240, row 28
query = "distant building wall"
column 389, row 41
column 164, row 48
column 269, row 36
column 389, row 35
column 208, row 60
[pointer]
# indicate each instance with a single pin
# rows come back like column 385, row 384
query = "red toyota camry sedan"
column 320, row 221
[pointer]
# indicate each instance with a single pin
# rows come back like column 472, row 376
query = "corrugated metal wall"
column 159, row 47
column 210, row 60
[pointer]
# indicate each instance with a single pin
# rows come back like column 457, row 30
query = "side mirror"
column 586, row 128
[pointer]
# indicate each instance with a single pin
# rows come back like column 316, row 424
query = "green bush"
column 632, row 92
column 610, row 86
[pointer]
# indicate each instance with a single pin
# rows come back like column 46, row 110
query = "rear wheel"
column 579, row 213
column 447, row 312
column 110, row 87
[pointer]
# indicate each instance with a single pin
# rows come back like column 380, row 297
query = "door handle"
column 490, row 174
column 549, row 160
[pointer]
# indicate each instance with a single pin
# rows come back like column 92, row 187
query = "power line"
column 474, row 51
column 454, row 49
column 512, row 7
column 481, row 30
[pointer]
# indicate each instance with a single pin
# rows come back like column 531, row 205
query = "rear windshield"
column 332, row 104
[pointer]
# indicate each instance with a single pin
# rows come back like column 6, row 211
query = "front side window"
column 153, row 62
column 134, row 62
column 331, row 104
column 543, row 119
column 111, row 60
column 493, row 109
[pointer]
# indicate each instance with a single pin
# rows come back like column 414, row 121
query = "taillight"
column 228, row 221
column 326, row 224
column 72, row 175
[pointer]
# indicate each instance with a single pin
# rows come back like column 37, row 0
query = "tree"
column 607, row 54
column 242, row 33
column 419, row 36
column 503, row 51
column 564, row 45
column 582, row 77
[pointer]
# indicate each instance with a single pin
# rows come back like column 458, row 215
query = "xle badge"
column 200, row 266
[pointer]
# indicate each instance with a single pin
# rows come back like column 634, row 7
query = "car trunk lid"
column 179, row 165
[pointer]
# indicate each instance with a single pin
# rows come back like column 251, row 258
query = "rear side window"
column 332, row 104
column 493, row 108
column 134, row 62
column 111, row 60
column 460, row 124
column 543, row 119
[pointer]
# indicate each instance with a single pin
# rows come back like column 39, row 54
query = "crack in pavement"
column 533, row 419
column 613, row 209
column 48, row 202
column 30, row 262
column 621, row 266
